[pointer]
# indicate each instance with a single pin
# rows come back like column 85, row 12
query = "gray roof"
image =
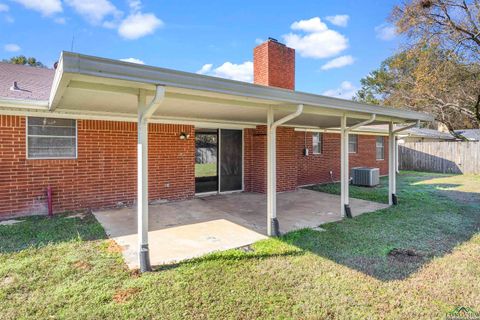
column 470, row 134
column 430, row 133
column 33, row 83
column 414, row 132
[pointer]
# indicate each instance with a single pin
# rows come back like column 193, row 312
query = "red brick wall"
column 256, row 148
column 104, row 173
column 316, row 168
column 274, row 65
column 293, row 168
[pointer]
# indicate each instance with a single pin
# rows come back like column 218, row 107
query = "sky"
column 337, row 42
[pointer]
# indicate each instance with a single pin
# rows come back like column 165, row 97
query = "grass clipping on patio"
column 420, row 259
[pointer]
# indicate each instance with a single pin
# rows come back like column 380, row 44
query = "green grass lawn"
column 205, row 169
column 66, row 269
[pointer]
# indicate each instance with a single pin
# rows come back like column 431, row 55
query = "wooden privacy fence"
column 443, row 157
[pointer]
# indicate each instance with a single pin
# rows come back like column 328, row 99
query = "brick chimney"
column 274, row 65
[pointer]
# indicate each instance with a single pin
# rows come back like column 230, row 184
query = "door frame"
column 219, row 159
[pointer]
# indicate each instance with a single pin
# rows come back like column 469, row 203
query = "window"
column 352, row 143
column 49, row 138
column 316, row 143
column 380, row 148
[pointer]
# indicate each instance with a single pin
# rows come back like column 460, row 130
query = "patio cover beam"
column 144, row 114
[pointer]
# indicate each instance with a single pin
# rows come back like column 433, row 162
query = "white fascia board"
column 24, row 103
column 73, row 63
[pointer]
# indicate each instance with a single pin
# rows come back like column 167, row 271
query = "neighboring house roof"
column 413, row 132
column 470, row 134
column 430, row 133
column 33, row 83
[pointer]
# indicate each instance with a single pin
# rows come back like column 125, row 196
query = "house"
column 426, row 135
column 93, row 129
column 469, row 134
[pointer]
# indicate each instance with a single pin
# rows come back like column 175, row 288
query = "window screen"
column 380, row 148
column 51, row 138
column 317, row 142
column 352, row 143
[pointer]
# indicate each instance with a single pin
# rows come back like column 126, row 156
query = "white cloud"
column 133, row 60
column 318, row 42
column 94, row 11
column 340, row 20
column 228, row 70
column 11, row 47
column 385, row 32
column 346, row 91
column 137, row 25
column 4, row 7
column 135, row 5
column 206, row 68
column 45, row 7
column 338, row 62
column 259, row 41
column 311, row 25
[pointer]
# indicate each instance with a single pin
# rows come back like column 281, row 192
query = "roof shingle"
column 34, row 83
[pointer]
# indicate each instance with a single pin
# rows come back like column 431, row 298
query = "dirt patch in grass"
column 113, row 247
column 82, row 265
column 123, row 295
column 7, row 281
column 405, row 255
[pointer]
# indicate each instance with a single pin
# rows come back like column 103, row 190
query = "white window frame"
column 383, row 148
column 50, row 158
column 356, row 143
column 320, row 143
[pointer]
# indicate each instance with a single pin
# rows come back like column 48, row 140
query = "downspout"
column 273, row 228
column 345, row 175
column 361, row 124
column 413, row 125
column 289, row 117
column 144, row 113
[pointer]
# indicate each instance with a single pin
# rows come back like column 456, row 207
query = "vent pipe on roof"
column 15, row 87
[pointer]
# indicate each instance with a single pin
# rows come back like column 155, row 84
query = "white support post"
column 391, row 164
column 144, row 113
column 271, row 173
column 344, row 176
column 142, row 184
column 273, row 228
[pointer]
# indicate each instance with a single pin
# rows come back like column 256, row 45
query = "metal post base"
column 394, row 199
column 275, row 227
column 144, row 259
column 348, row 211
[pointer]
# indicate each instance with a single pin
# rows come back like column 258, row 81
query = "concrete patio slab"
column 187, row 229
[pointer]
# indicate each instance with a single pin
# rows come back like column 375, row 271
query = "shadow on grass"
column 39, row 231
column 391, row 244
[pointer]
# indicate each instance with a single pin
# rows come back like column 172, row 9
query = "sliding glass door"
column 206, row 160
column 218, row 160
